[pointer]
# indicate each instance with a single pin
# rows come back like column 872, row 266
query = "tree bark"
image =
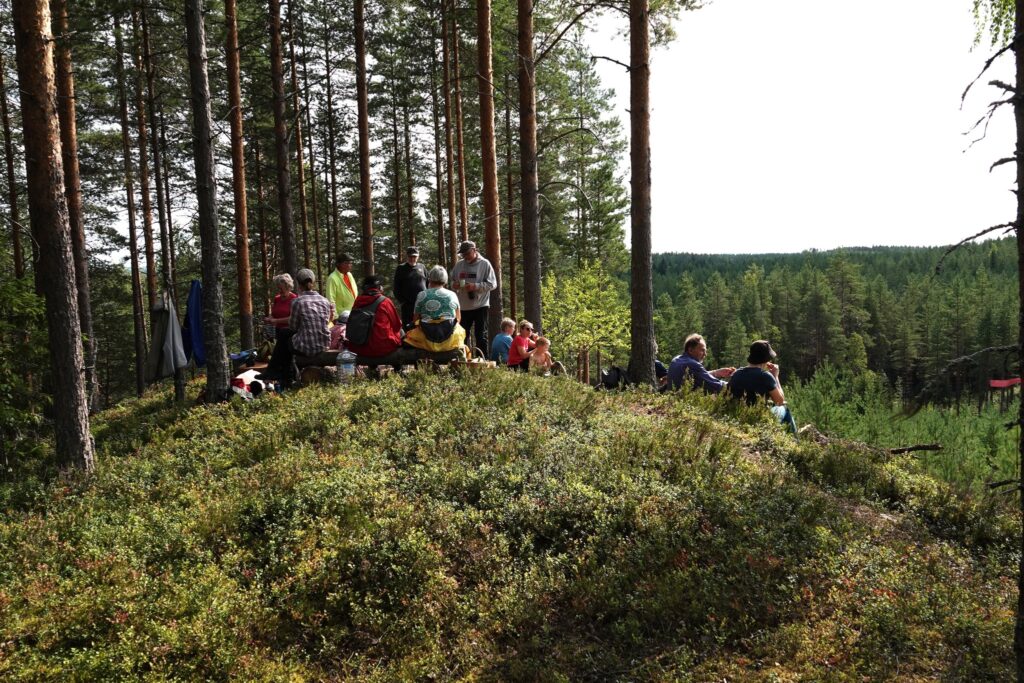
column 528, row 190
column 163, row 210
column 641, row 359
column 12, row 188
column 410, row 204
column 218, row 373
column 303, row 215
column 261, row 221
column 439, row 218
column 449, row 146
column 173, row 269
column 147, row 207
column 138, row 319
column 163, row 198
column 73, row 190
column 284, row 178
column 461, row 147
column 1018, row 116
column 489, row 160
column 365, row 202
column 48, row 217
column 312, row 164
column 241, row 212
column 510, row 182
column 332, row 162
column 396, row 169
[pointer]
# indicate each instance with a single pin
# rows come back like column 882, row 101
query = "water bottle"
column 346, row 364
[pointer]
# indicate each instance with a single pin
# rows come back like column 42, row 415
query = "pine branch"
column 1007, row 226
column 627, row 67
column 988, row 64
column 1004, row 482
column 1004, row 160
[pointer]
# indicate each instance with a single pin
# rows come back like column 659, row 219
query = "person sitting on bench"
column 436, row 316
column 311, row 313
column 374, row 328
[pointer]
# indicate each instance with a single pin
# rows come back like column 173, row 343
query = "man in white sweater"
column 473, row 280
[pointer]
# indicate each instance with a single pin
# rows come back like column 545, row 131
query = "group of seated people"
column 759, row 380
column 306, row 323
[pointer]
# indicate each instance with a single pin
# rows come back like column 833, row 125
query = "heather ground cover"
column 494, row 527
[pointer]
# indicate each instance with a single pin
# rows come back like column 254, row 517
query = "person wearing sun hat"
column 760, row 380
column 473, row 279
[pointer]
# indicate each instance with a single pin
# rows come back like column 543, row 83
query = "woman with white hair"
column 280, row 312
column 436, row 316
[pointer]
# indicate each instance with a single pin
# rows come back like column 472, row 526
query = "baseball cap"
column 466, row 246
column 760, row 352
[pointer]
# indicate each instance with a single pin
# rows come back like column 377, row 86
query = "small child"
column 540, row 357
column 503, row 342
column 522, row 344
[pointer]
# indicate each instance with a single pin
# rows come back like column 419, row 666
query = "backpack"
column 360, row 323
column 613, row 378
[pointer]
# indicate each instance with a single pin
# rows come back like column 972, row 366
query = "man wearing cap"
column 410, row 280
column 311, row 313
column 473, row 280
column 759, row 380
column 341, row 285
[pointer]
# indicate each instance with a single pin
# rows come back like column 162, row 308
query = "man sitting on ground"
column 690, row 363
column 760, row 380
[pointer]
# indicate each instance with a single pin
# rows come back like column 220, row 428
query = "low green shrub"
column 492, row 527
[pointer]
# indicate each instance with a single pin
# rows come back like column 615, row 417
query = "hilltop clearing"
column 497, row 527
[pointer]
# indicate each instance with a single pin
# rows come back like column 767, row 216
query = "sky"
column 802, row 124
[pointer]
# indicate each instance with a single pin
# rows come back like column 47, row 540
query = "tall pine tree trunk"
column 243, row 269
column 303, row 215
column 528, row 191
column 284, row 177
column 510, row 183
column 641, row 358
column 489, row 159
column 396, row 181
column 73, row 190
column 312, row 166
column 410, row 204
column 449, row 145
column 218, row 373
column 1018, row 116
column 48, row 216
column 439, row 218
column 460, row 148
column 365, row 202
column 138, row 319
column 147, row 206
column 332, row 178
column 162, row 209
column 261, row 221
column 12, row 188
column 163, row 200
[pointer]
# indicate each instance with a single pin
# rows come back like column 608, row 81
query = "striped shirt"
column 310, row 314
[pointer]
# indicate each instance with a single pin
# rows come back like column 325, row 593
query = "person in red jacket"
column 386, row 334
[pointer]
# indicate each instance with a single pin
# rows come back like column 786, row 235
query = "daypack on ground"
column 360, row 323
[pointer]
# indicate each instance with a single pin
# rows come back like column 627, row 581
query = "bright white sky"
column 795, row 124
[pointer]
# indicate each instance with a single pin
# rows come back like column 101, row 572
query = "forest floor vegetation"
column 494, row 527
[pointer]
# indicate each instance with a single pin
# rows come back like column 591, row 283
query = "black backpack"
column 613, row 378
column 360, row 323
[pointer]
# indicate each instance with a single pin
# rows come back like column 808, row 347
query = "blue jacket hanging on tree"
column 192, row 330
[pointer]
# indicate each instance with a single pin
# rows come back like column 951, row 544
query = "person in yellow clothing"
column 341, row 285
column 436, row 316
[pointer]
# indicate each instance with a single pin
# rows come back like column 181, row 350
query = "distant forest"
column 884, row 309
